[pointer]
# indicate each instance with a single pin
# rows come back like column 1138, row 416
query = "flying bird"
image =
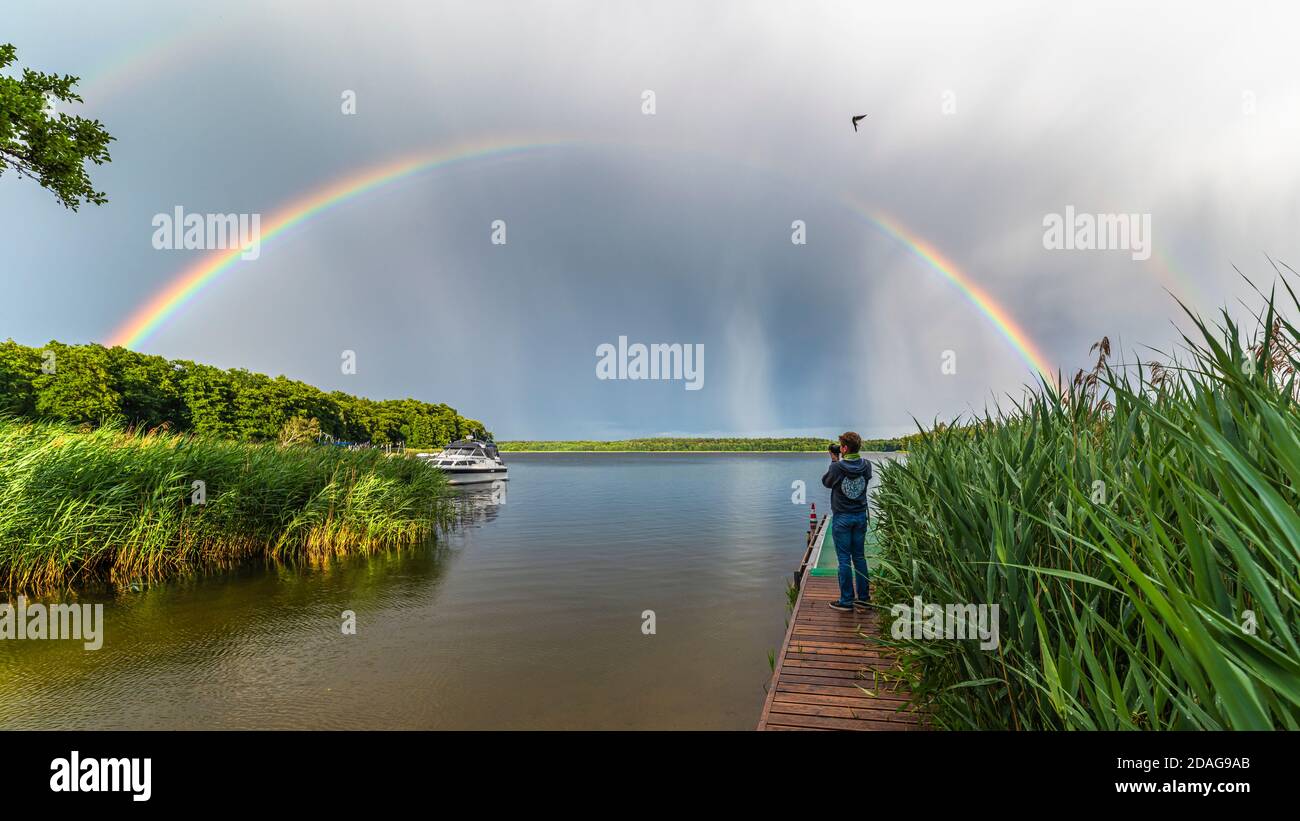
column 855, row 120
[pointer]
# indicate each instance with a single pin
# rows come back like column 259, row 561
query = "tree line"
column 737, row 444
column 91, row 384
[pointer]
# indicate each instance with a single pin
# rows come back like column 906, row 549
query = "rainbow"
column 150, row 55
column 190, row 283
column 193, row 280
column 1175, row 280
column 1001, row 319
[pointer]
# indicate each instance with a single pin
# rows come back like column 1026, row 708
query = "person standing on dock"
column 848, row 477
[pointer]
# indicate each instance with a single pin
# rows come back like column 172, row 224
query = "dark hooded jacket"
column 848, row 480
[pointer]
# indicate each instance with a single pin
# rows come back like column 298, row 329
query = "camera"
column 834, row 450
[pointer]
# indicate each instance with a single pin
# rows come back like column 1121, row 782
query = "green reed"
column 1139, row 530
column 108, row 505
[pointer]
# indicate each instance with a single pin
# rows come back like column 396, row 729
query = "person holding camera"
column 848, row 477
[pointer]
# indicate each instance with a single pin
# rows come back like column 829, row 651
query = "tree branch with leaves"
column 49, row 147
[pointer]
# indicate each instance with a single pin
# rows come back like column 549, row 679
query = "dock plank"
column 828, row 674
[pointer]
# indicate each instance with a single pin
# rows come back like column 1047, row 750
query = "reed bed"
column 118, row 506
column 1139, row 530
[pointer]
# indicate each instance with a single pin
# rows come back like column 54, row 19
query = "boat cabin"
column 464, row 451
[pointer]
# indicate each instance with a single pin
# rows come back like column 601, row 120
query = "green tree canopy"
column 39, row 143
column 92, row 384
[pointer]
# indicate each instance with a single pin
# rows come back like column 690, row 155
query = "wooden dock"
column 828, row 676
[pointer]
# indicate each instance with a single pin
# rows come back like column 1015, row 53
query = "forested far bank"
column 91, row 384
column 734, row 443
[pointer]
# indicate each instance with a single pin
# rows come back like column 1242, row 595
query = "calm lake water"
column 528, row 615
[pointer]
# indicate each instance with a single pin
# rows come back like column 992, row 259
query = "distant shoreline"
column 790, row 452
column 647, row 450
column 697, row 444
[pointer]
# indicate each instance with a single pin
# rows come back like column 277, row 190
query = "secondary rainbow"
column 191, row 282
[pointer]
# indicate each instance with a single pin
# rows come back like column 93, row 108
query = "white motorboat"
column 468, row 461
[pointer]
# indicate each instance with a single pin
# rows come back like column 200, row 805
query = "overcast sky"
column 673, row 227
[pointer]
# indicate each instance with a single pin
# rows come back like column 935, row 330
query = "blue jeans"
column 850, row 533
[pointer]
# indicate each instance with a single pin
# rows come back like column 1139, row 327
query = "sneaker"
column 862, row 604
column 843, row 608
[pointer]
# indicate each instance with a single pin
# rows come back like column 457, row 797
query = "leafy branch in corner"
column 46, row 146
